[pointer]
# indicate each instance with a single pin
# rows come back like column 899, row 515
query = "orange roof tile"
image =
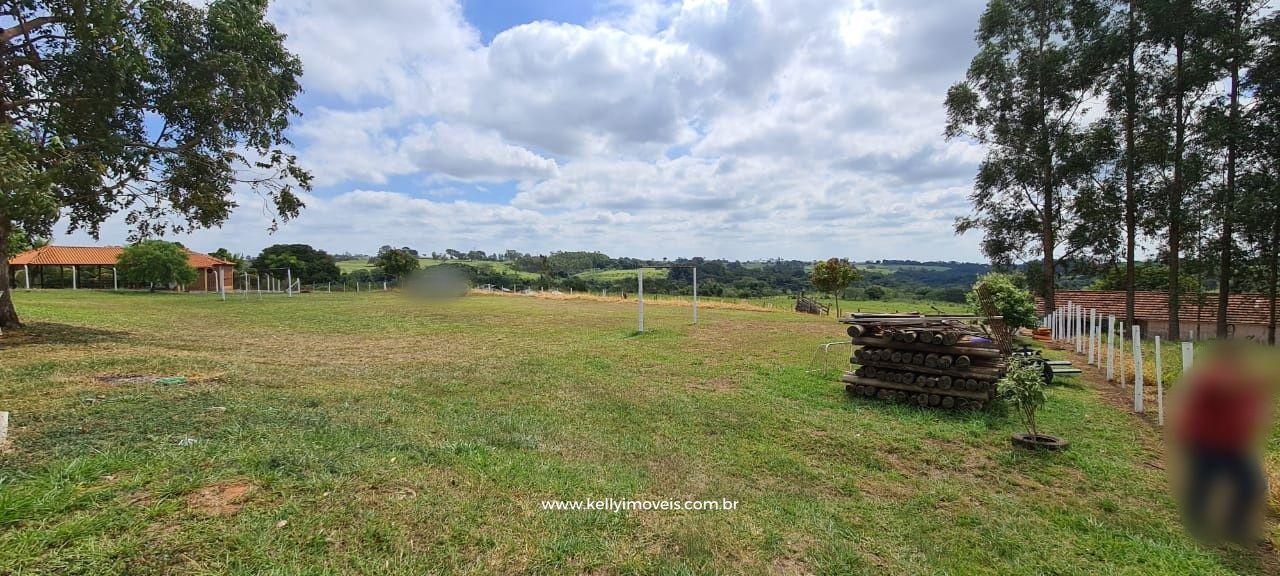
column 96, row 256
column 1154, row 306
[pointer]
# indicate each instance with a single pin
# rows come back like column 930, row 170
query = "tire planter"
column 1039, row 442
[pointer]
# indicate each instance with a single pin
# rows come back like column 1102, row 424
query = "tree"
column 304, row 263
column 223, row 254
column 1233, row 44
column 155, row 263
column 1261, row 181
column 833, row 276
column 1016, row 306
column 1181, row 65
column 397, row 262
column 19, row 243
column 1038, row 63
column 1123, row 101
column 154, row 107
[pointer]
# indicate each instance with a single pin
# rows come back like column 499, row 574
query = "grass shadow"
column 38, row 333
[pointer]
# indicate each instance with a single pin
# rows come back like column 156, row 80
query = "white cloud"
column 739, row 128
column 468, row 154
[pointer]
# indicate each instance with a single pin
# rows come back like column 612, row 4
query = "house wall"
column 1199, row 331
column 207, row 280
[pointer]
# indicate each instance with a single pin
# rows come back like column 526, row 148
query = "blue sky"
column 747, row 129
column 491, row 17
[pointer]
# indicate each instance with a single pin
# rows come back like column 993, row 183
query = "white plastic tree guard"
column 1137, row 369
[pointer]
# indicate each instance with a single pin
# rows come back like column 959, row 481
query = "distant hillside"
column 594, row 271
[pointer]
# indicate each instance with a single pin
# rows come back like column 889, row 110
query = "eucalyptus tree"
column 157, row 108
column 1023, row 99
column 1260, row 184
column 1179, row 59
column 1125, row 91
column 1231, row 36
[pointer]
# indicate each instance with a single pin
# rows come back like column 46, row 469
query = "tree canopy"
column 833, row 276
column 397, row 262
column 158, row 108
column 155, row 263
column 303, row 263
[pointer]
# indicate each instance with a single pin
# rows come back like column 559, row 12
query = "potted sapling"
column 1023, row 385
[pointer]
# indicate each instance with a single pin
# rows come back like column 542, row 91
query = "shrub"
column 1015, row 305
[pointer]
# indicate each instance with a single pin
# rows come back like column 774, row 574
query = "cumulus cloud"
column 468, row 154
column 737, row 128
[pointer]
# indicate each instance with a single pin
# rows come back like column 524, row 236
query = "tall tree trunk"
column 8, row 315
column 1130, row 167
column 1048, row 240
column 1227, row 242
column 1176, row 192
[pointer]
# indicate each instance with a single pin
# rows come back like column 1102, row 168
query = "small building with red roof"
column 1248, row 315
column 95, row 267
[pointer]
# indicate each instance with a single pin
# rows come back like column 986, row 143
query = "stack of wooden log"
column 942, row 361
column 809, row 305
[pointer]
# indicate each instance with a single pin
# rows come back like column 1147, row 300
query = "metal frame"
column 640, row 290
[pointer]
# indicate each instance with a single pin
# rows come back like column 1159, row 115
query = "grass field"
column 503, row 267
column 371, row 433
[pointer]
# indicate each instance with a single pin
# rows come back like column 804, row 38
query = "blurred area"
column 438, row 282
column 1222, row 416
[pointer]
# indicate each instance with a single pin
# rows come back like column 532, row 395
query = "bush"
column 1015, row 305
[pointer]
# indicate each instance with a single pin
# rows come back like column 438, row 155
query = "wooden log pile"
column 810, row 306
column 939, row 361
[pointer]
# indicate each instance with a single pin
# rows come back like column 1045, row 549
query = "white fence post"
column 1093, row 328
column 1097, row 342
column 640, row 297
column 1188, row 356
column 1079, row 330
column 695, row 294
column 1159, row 385
column 1120, row 354
column 1137, row 369
column 1111, row 348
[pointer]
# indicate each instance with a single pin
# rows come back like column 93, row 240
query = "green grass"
column 848, row 306
column 614, row 275
column 406, row 437
column 502, row 267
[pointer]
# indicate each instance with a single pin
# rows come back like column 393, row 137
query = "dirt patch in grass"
column 125, row 379
column 717, row 384
column 221, row 499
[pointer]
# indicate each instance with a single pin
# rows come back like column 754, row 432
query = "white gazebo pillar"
column 73, row 277
column 115, row 279
column 26, row 276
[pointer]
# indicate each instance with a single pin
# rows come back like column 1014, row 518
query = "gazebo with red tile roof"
column 208, row 268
